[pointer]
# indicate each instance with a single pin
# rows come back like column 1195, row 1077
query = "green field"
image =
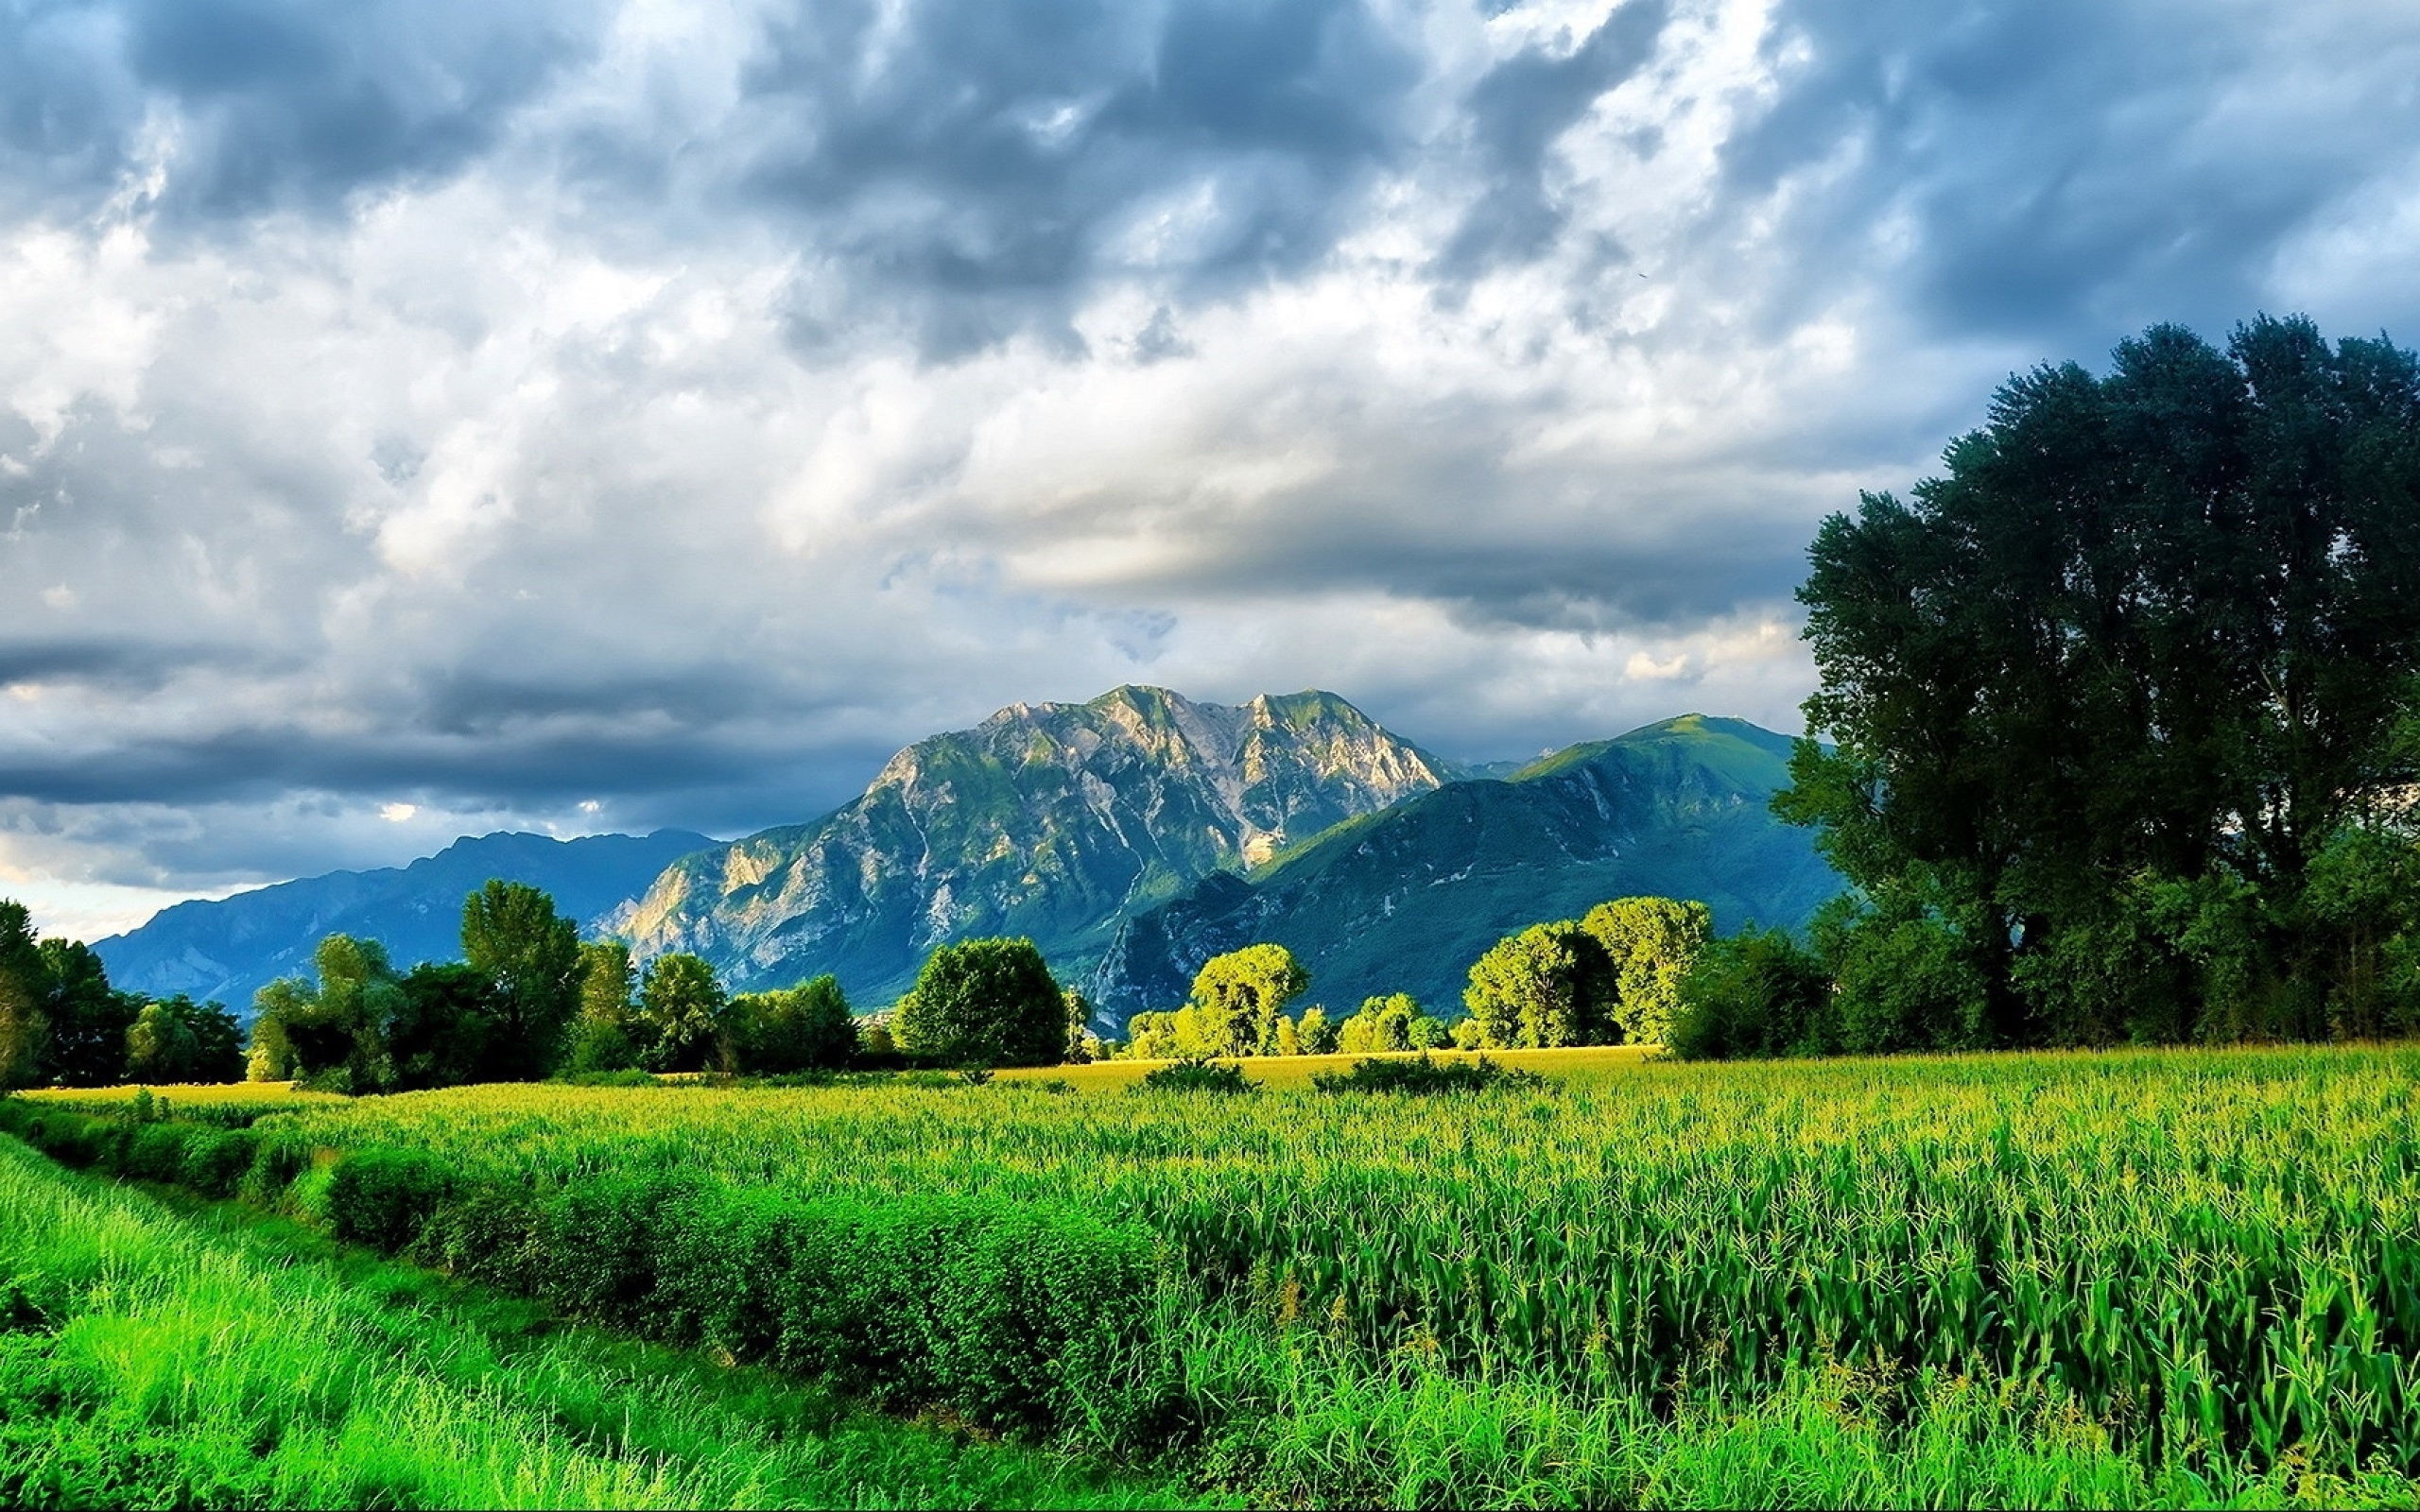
column 2155, row 1277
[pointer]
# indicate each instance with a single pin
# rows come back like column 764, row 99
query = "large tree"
column 1243, row 994
column 2094, row 700
column 984, row 1002
column 1545, row 985
column 511, row 933
column 1651, row 944
column 25, row 996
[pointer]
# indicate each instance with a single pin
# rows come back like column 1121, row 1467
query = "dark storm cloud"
column 1518, row 110
column 2071, row 170
column 278, row 104
column 987, row 162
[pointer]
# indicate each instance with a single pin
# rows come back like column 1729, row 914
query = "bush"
column 215, row 1160
column 1195, row 1075
column 156, row 1152
column 381, row 1198
column 1756, row 993
column 1425, row 1077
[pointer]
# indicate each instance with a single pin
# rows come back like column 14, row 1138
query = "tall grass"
column 147, row 1361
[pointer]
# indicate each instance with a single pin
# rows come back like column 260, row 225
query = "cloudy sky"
column 422, row 416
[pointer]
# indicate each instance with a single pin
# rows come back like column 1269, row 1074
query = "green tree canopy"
column 809, row 1027
column 332, row 1034
column 24, row 996
column 511, row 933
column 1243, row 994
column 177, row 1040
column 2094, row 701
column 984, row 1002
column 1549, row 985
column 85, row 1044
column 607, row 1034
column 680, row 1003
column 1651, row 943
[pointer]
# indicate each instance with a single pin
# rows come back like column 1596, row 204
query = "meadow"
column 2138, row 1278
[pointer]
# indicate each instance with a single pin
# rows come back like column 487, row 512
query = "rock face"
column 232, row 948
column 1404, row 900
column 1049, row 820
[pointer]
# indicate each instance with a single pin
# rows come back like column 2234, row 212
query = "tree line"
column 63, row 1024
column 1613, row 976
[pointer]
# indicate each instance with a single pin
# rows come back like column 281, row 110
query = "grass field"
column 150, row 1360
column 2156, row 1278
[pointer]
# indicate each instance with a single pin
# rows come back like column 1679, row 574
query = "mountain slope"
column 230, row 949
column 1051, row 821
column 1404, row 900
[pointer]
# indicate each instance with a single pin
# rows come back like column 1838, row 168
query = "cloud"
column 622, row 414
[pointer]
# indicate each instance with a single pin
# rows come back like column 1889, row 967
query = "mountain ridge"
column 1404, row 899
column 1046, row 819
column 229, row 948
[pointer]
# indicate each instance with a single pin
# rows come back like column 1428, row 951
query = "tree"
column 607, row 1034
column 511, row 933
column 449, row 1029
column 332, row 1035
column 984, row 1002
column 1316, row 1032
column 680, row 1003
column 1243, row 994
column 85, row 1045
column 2095, row 701
column 1549, row 985
column 177, row 1040
column 1756, row 993
column 1082, row 1044
column 808, row 1028
column 24, row 993
column 1651, row 943
column 1390, row 1023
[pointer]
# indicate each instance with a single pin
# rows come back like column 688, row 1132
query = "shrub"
column 1426, row 1076
column 381, row 1198
column 1194, row 1075
column 156, row 1152
column 215, row 1160
column 1756, row 993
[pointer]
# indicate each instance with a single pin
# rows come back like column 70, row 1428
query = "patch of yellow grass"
column 1587, row 1063
column 279, row 1093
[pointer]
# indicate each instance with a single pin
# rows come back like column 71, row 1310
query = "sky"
column 420, row 418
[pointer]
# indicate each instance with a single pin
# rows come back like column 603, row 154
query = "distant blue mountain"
column 230, row 949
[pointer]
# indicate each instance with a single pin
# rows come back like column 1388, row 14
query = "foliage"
column 984, row 1002
column 332, row 1035
column 24, row 1020
column 1315, row 1033
column 1651, row 943
column 809, row 1027
column 86, row 1023
column 607, row 1036
column 512, row 935
column 1755, row 994
column 680, row 1006
column 228, row 1364
column 177, row 1040
column 1548, row 985
column 1426, row 1075
column 1241, row 995
column 2100, row 699
column 1194, row 1075
column 1390, row 1023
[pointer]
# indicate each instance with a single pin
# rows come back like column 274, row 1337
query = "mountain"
column 230, row 949
column 1053, row 821
column 1404, row 900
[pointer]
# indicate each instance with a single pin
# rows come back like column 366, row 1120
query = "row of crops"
column 2212, row 1258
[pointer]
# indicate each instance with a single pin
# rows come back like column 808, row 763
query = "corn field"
column 2211, row 1255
